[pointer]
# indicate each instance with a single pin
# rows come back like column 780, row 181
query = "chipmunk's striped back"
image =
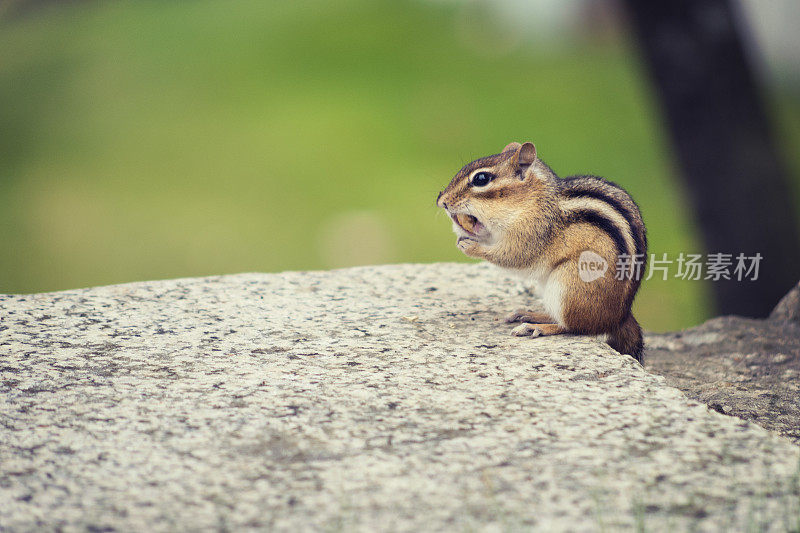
column 610, row 208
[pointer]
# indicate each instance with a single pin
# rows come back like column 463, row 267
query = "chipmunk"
column 512, row 210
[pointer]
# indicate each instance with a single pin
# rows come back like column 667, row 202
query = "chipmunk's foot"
column 526, row 315
column 537, row 330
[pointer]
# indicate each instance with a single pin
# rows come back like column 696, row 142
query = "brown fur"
column 627, row 338
column 528, row 216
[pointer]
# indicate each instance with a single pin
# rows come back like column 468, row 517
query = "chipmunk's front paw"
column 526, row 330
column 469, row 247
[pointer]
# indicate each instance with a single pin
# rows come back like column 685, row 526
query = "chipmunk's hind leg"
column 537, row 330
column 526, row 315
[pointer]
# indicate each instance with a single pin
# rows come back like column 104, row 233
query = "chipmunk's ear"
column 527, row 154
column 512, row 146
column 522, row 158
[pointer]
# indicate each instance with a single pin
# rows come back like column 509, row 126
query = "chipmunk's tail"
column 627, row 338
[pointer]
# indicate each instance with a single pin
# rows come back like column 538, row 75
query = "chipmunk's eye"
column 481, row 179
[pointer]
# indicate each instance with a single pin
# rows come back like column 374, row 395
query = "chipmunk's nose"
column 439, row 201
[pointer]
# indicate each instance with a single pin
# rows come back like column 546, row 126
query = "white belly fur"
column 551, row 297
column 547, row 287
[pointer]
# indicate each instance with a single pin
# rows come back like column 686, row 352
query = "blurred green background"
column 145, row 140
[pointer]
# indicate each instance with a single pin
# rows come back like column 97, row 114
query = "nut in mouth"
column 468, row 223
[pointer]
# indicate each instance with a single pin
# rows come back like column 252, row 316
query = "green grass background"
column 144, row 140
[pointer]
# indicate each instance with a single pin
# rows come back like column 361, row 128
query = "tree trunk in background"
column 732, row 170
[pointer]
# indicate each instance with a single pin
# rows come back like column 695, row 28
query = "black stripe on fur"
column 604, row 223
column 614, row 204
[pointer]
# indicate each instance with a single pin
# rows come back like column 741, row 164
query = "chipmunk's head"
column 494, row 197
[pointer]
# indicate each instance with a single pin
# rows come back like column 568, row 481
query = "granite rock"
column 744, row 367
column 388, row 398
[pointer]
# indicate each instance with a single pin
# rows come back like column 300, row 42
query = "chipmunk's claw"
column 526, row 330
column 468, row 246
column 537, row 330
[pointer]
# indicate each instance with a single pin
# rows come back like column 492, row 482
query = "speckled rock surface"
column 371, row 398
